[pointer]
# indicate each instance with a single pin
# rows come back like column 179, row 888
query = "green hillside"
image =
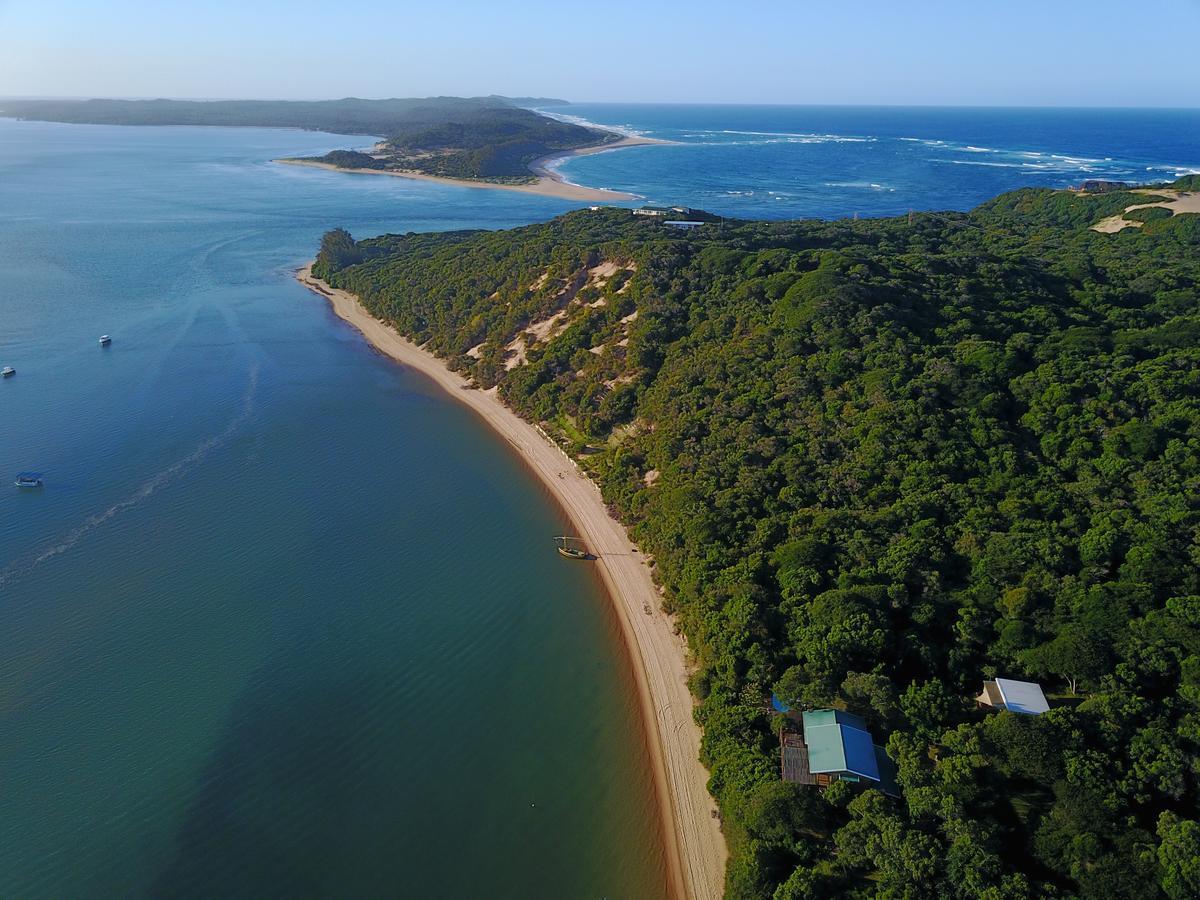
column 876, row 463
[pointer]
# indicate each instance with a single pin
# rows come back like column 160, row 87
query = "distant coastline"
column 693, row 842
column 489, row 141
column 548, row 181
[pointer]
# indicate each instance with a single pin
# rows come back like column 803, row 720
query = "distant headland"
column 489, row 141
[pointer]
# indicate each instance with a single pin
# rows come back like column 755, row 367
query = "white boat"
column 7, row 370
column 105, row 340
column 28, row 480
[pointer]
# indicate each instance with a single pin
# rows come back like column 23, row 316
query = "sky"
column 965, row 52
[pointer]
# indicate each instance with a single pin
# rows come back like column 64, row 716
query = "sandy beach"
column 693, row 842
column 549, row 182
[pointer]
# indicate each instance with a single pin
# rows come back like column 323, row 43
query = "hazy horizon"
column 1025, row 54
column 594, row 102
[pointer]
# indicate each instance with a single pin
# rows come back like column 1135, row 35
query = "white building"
column 1016, row 696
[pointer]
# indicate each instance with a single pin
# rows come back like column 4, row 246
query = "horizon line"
column 862, row 105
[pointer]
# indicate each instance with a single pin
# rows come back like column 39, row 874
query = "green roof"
column 816, row 717
column 839, row 742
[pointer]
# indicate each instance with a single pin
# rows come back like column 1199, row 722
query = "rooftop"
column 839, row 742
column 1022, row 696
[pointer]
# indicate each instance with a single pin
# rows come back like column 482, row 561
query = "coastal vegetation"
column 876, row 463
column 1148, row 214
column 492, row 143
column 351, row 159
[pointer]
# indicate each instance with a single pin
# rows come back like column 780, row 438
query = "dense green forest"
column 495, row 143
column 877, row 462
column 488, row 138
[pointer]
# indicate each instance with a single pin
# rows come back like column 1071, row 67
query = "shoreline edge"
column 694, row 846
column 548, row 183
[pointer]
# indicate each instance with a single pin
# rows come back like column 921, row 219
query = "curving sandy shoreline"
column 549, row 182
column 694, row 844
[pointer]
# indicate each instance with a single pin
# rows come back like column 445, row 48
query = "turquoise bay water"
column 285, row 620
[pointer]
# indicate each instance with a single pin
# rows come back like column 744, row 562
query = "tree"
column 871, row 691
column 1076, row 652
column 338, row 250
column 1179, row 856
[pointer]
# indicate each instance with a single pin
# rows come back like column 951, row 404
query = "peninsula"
column 873, row 465
column 542, row 177
column 476, row 141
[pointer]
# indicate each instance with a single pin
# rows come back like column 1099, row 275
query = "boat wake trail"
column 159, row 480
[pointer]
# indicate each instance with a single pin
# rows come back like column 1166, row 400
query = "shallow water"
column 285, row 620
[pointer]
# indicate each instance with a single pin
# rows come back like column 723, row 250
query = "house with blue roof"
column 836, row 746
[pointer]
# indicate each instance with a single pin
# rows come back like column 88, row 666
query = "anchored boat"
column 563, row 543
column 7, row 371
column 105, row 340
column 28, row 480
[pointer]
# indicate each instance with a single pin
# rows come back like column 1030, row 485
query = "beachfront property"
column 662, row 210
column 835, row 745
column 1023, row 697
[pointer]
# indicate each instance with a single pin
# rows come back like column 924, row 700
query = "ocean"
column 285, row 620
column 780, row 162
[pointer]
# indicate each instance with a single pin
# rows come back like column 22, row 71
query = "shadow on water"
column 289, row 750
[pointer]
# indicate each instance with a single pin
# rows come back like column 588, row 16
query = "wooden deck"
column 793, row 759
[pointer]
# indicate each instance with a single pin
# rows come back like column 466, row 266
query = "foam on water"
column 727, row 159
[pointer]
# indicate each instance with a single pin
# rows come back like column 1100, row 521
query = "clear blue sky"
column 1049, row 52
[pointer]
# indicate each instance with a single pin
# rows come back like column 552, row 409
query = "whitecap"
column 626, row 130
column 862, row 185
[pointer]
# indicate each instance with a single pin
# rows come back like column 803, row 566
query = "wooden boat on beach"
column 563, row 543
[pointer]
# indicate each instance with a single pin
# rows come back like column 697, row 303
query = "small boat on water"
column 28, row 480
column 563, row 543
column 8, row 371
column 105, row 340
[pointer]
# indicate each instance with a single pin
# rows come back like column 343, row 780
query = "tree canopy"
column 875, row 463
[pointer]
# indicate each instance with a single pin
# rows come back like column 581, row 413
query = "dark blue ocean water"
column 791, row 162
column 285, row 620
